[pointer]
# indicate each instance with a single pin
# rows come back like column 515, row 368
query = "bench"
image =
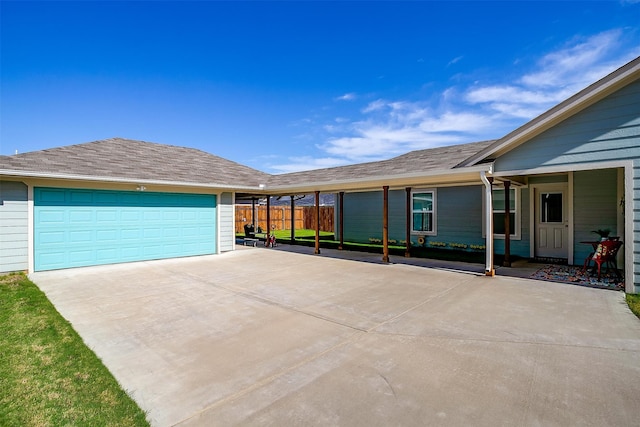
column 250, row 241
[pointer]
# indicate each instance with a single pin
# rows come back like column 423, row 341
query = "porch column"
column 385, row 224
column 407, row 251
column 341, row 219
column 317, row 249
column 268, row 217
column 507, row 225
column 253, row 214
column 488, row 270
column 293, row 219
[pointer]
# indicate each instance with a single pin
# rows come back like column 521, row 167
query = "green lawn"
column 48, row 376
column 634, row 303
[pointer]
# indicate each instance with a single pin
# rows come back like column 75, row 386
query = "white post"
column 488, row 269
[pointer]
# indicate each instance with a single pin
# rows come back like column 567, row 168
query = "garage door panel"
column 89, row 227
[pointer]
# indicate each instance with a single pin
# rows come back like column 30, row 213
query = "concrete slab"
column 269, row 337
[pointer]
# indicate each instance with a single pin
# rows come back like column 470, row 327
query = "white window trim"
column 517, row 235
column 434, row 232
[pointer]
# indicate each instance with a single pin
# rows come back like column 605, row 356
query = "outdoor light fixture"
column 141, row 188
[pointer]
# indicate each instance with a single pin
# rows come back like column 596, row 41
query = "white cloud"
column 303, row 163
column 374, row 106
column 454, row 60
column 346, row 97
column 480, row 110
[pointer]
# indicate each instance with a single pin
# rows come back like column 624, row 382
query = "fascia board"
column 437, row 176
column 66, row 177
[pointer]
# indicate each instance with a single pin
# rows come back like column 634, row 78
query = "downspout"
column 488, row 269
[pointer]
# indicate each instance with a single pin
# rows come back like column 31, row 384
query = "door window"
column 551, row 207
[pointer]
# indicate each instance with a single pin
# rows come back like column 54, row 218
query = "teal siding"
column 595, row 206
column 458, row 218
column 608, row 130
column 14, row 227
column 459, row 215
column 363, row 216
column 74, row 227
column 521, row 246
column 227, row 226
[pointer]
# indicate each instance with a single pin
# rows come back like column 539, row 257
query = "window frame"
column 434, row 216
column 516, row 229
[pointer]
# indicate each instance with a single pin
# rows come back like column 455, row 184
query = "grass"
column 48, row 376
column 634, row 303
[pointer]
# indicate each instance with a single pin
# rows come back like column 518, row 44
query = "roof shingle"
column 118, row 158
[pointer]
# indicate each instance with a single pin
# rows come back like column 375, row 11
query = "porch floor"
column 522, row 268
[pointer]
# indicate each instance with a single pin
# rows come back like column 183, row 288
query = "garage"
column 83, row 227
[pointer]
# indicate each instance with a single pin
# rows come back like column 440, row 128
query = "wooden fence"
column 305, row 217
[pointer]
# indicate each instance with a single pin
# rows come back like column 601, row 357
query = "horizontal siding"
column 14, row 226
column 595, row 206
column 459, row 211
column 608, row 130
column 362, row 216
column 519, row 247
column 227, row 225
column 635, row 205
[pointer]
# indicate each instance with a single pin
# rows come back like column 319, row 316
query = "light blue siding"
column 363, row 216
column 595, row 206
column 75, row 227
column 14, row 227
column 608, row 130
column 227, row 226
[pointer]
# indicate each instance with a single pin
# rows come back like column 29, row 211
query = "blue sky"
column 286, row 86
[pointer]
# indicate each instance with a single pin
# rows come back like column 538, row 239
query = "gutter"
column 488, row 269
column 44, row 175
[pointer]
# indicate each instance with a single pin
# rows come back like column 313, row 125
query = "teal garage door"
column 76, row 227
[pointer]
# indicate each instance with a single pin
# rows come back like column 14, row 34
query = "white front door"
column 551, row 222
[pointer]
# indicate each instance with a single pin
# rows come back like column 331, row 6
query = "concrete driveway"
column 266, row 337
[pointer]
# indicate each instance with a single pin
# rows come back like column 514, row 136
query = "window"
column 499, row 213
column 423, row 212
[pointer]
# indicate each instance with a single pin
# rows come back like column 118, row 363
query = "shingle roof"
column 432, row 159
column 127, row 159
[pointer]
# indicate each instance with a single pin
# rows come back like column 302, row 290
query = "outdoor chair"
column 605, row 254
column 249, row 231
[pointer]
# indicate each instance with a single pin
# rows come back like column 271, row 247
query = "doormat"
column 574, row 275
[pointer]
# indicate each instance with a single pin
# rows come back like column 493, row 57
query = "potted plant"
column 603, row 233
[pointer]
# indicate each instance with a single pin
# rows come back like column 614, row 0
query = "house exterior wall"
column 605, row 133
column 14, row 226
column 459, row 219
column 226, row 211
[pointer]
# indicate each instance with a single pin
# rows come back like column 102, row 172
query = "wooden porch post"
column 317, row 249
column 268, row 217
column 407, row 251
column 507, row 225
column 341, row 219
column 253, row 214
column 385, row 224
column 293, row 219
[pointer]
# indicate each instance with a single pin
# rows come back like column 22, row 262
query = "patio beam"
column 385, row 224
column 488, row 269
column 407, row 251
column 507, row 225
column 341, row 218
column 268, row 232
column 317, row 247
column 293, row 218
